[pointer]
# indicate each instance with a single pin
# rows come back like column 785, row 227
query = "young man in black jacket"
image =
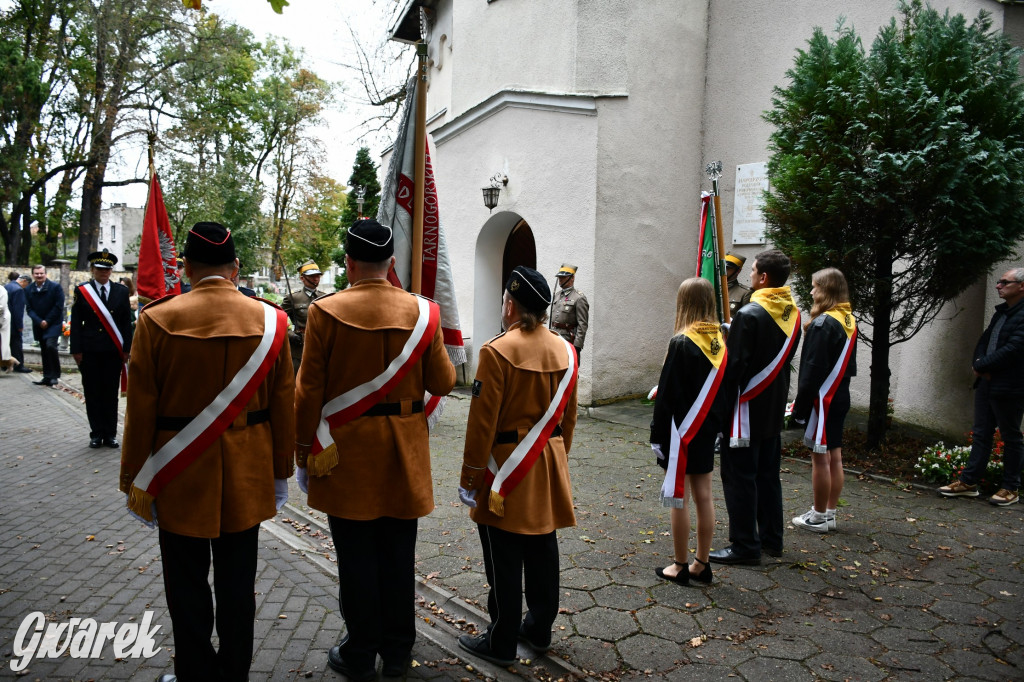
column 999, row 395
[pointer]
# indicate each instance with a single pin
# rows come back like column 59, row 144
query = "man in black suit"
column 16, row 304
column 101, row 338
column 44, row 301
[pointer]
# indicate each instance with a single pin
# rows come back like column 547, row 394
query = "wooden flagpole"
column 420, row 170
column 714, row 171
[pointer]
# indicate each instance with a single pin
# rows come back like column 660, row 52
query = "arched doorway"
column 504, row 242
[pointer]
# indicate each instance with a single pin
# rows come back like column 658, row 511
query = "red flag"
column 157, row 258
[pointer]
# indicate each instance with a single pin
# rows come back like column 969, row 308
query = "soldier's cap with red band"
column 210, row 243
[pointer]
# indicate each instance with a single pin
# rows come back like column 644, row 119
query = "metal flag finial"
column 714, row 170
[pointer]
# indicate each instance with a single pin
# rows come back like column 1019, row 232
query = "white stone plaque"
column 747, row 219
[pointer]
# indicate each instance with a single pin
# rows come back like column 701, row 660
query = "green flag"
column 707, row 257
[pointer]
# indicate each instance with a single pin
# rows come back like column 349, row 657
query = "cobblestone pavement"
column 911, row 586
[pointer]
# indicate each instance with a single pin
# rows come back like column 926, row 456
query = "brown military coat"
column 186, row 350
column 739, row 296
column 517, row 376
column 570, row 316
column 384, row 461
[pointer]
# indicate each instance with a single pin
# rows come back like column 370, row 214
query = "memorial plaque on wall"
column 747, row 219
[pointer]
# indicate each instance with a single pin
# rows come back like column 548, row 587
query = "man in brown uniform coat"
column 374, row 482
column 519, row 379
column 216, row 502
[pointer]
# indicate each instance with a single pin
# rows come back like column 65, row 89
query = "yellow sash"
column 842, row 314
column 708, row 337
column 778, row 301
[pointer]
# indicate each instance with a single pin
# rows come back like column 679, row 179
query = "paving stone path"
column 912, row 586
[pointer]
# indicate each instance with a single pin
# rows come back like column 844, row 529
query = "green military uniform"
column 296, row 305
column 570, row 311
column 739, row 294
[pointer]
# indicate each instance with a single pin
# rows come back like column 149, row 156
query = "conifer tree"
column 902, row 167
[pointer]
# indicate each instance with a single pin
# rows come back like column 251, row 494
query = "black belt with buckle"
column 510, row 437
column 179, row 423
column 392, row 409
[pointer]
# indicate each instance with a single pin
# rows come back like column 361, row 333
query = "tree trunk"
column 880, row 347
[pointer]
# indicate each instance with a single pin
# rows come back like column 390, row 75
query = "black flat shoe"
column 705, row 575
column 538, row 646
column 681, row 578
column 481, row 648
column 338, row 664
column 111, row 443
column 95, row 442
column 396, row 667
column 771, row 551
column 730, row 556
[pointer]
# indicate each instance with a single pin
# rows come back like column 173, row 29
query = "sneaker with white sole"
column 830, row 521
column 959, row 489
column 1004, row 498
column 812, row 521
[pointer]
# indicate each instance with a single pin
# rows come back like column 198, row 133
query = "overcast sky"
column 319, row 27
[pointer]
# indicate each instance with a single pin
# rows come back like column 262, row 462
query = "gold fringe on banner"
column 496, row 503
column 321, row 463
column 141, row 502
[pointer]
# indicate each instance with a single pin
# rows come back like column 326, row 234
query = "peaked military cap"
column 369, row 241
column 210, row 243
column 566, row 270
column 102, row 259
column 734, row 260
column 309, row 268
column 528, row 288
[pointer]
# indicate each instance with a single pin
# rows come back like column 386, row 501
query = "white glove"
column 468, row 497
column 725, row 327
column 657, row 451
column 280, row 492
column 152, row 509
column 302, row 478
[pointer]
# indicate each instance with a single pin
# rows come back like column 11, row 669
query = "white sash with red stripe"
column 502, row 481
column 200, row 433
column 683, row 433
column 353, row 403
column 98, row 307
column 740, row 432
column 814, row 436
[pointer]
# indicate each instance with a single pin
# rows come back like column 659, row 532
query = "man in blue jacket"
column 998, row 396
column 44, row 301
column 16, row 304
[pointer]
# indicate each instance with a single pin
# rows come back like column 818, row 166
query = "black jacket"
column 822, row 349
column 48, row 305
column 1006, row 363
column 88, row 335
column 682, row 377
column 754, row 341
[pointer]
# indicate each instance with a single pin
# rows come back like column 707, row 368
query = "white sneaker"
column 830, row 518
column 812, row 521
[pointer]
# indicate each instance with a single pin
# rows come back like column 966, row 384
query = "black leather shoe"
column 111, row 443
column 481, row 648
column 22, row 370
column 680, row 578
column 42, row 382
column 771, row 551
column 729, row 556
column 95, row 442
column 167, row 678
column 395, row 667
column 541, row 647
column 338, row 664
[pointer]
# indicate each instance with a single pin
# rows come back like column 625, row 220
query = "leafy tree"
column 902, row 167
column 317, row 226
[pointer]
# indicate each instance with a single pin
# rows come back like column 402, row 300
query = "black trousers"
column 51, row 358
column 17, row 349
column 101, row 382
column 377, row 593
column 186, row 574
column 753, row 494
column 507, row 557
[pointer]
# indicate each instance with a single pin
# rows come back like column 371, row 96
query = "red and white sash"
column 683, row 433
column 740, row 432
column 814, row 436
column 353, row 403
column 98, row 307
column 200, row 433
column 502, row 481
